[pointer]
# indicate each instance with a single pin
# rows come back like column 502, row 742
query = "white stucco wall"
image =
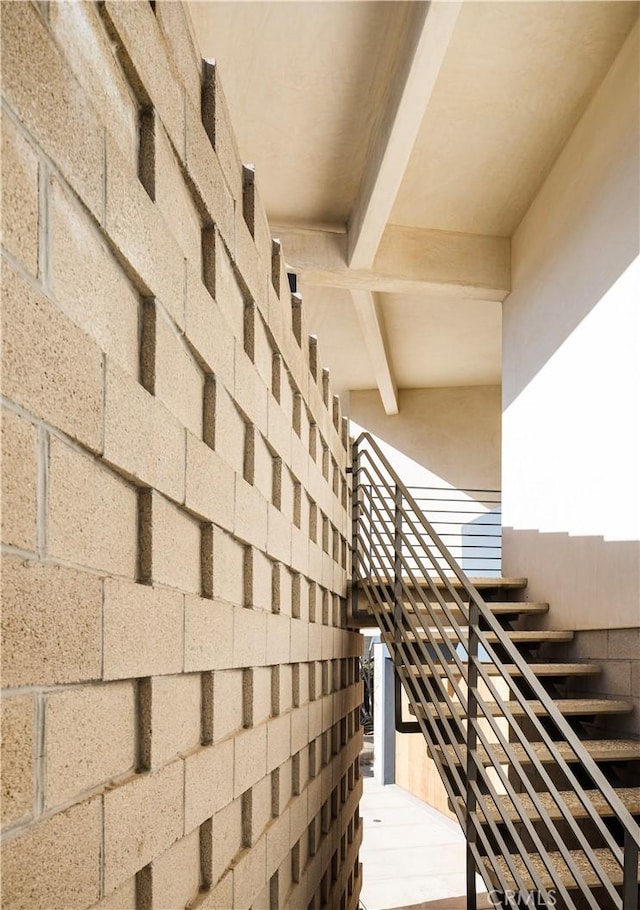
column 571, row 371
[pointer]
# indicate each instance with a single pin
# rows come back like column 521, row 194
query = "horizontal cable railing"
column 418, row 592
column 468, row 522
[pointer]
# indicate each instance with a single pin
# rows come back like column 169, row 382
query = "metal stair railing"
column 402, row 567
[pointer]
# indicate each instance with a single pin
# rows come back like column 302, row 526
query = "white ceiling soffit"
column 369, row 313
column 428, row 33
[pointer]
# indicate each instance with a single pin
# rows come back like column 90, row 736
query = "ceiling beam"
column 408, row 261
column 371, row 320
column 428, row 33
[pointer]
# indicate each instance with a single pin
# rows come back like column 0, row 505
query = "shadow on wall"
column 590, row 582
column 581, row 232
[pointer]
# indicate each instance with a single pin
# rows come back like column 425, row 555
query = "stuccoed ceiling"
column 367, row 119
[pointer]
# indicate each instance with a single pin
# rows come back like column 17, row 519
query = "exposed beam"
column 428, row 35
column 409, row 261
column 371, row 321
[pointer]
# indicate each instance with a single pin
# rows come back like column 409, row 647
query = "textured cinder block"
column 139, row 233
column 143, row 439
column 299, row 728
column 257, row 802
column 220, row 897
column 282, row 590
column 278, row 639
column 142, row 630
column 281, row 688
column 229, row 430
column 175, row 875
column 205, row 173
column 258, row 580
column 208, row 782
column 250, row 762
column 88, row 283
column 89, row 738
column 224, row 843
column 175, row 711
column 175, row 201
column 256, row 219
column 208, row 634
column 179, row 382
column 93, row 515
column 228, row 567
column 251, row 514
column 227, row 702
column 250, row 635
column 19, row 467
column 221, row 280
column 207, row 332
column 123, row 898
column 19, row 196
column 277, row 842
column 278, row 536
column 30, row 59
column 278, row 430
column 51, row 624
column 74, row 26
column 50, row 366
column 174, row 24
column 55, row 863
column 282, row 787
column 250, row 875
column 250, row 266
column 171, row 553
column 210, row 484
column 263, row 467
column 17, row 759
column 263, row 355
column 278, row 741
column 250, row 392
column 257, row 695
column 217, row 123
column 146, row 59
column 142, row 818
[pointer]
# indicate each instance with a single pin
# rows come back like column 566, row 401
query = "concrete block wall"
column 180, row 705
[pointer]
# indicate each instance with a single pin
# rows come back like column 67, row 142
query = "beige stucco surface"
column 441, row 436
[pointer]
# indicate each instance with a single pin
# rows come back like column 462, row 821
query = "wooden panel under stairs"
column 576, row 707
column 562, row 872
column 500, row 806
column 600, row 750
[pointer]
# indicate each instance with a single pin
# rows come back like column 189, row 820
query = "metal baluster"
column 472, row 742
column 630, row 874
column 397, row 574
column 355, row 496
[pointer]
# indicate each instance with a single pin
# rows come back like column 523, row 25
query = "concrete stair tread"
column 498, row 608
column 516, row 636
column 566, row 706
column 540, row 669
column 605, row 857
column 600, row 750
column 628, row 796
column 481, row 583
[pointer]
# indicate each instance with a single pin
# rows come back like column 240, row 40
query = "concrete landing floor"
column 411, row 854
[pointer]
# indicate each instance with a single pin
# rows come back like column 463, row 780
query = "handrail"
column 411, row 636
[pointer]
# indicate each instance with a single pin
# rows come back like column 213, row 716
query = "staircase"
column 550, row 814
